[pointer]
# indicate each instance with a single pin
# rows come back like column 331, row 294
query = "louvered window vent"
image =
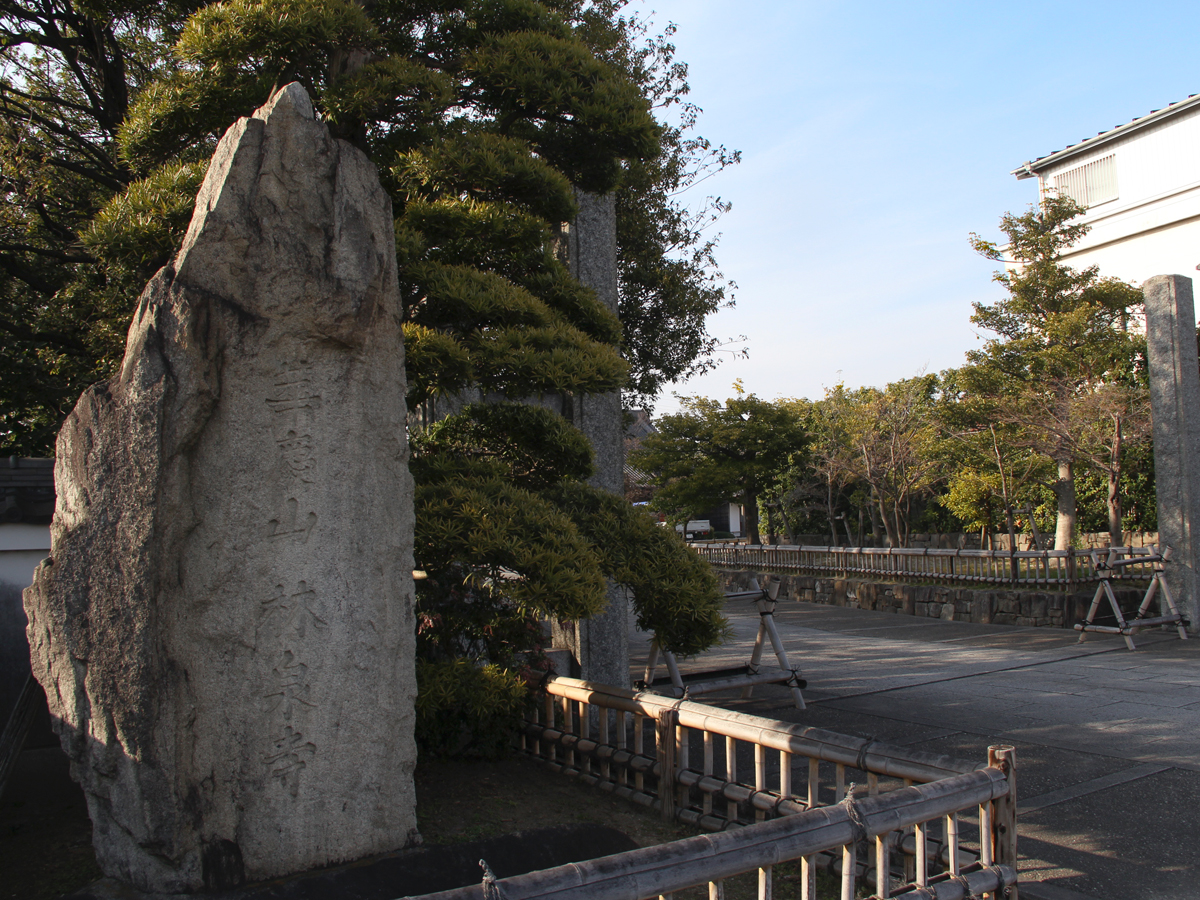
column 1091, row 183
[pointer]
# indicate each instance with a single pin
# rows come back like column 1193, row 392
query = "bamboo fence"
column 1025, row 569
column 926, row 826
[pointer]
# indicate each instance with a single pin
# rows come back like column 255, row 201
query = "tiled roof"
column 1027, row 170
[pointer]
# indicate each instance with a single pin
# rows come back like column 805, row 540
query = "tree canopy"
column 482, row 118
column 713, row 452
column 1064, row 359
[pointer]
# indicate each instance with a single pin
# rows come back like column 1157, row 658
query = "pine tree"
column 481, row 117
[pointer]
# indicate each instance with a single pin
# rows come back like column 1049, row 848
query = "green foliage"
column 712, row 453
column 481, row 115
column 1063, row 370
column 140, row 230
column 676, row 595
column 510, row 511
column 464, row 709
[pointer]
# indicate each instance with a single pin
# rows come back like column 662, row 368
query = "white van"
column 696, row 529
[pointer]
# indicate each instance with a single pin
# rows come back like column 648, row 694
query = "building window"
column 1089, row 184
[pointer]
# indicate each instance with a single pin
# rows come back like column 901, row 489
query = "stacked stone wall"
column 947, row 602
column 970, row 541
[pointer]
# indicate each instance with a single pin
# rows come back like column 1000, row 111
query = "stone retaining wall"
column 970, row 541
column 954, row 604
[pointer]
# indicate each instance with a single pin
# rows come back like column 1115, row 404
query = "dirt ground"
column 45, row 833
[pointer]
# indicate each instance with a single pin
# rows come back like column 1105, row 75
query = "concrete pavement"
column 1108, row 740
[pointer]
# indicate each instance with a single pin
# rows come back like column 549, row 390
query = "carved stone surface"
column 1175, row 403
column 600, row 645
column 225, row 627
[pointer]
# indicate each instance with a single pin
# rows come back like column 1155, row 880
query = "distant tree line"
column 1045, row 430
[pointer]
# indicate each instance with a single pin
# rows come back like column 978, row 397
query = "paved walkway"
column 1108, row 740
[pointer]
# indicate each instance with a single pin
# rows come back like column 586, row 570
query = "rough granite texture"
column 1175, row 405
column 225, row 628
column 599, row 645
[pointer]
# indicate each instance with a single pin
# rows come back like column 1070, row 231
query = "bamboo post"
column 883, row 865
column 814, row 782
column 706, row 801
column 639, row 747
column 760, row 776
column 568, row 728
column 731, row 775
column 1004, row 824
column 682, row 762
column 849, row 864
column 664, row 727
column 716, row 890
column 952, row 843
column 764, row 883
column 785, row 774
column 808, row 879
column 921, row 835
column 585, row 732
column 986, row 858
column 552, row 756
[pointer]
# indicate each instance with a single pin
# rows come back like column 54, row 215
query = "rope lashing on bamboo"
column 491, row 890
column 1005, row 889
column 861, row 762
column 857, row 823
column 961, row 881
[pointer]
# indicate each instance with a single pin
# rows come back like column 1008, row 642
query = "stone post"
column 600, row 645
column 1175, row 404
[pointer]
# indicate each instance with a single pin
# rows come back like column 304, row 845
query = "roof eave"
column 1031, row 169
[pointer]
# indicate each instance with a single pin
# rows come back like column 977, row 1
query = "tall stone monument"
column 600, row 645
column 1175, row 405
column 224, row 629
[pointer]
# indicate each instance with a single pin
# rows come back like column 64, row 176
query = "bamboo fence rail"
column 1028, row 569
column 925, row 826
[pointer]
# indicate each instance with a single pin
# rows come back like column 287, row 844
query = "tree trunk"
column 750, row 498
column 1064, row 492
column 1004, row 495
column 876, row 528
column 833, row 538
column 888, row 524
column 1116, row 528
column 784, row 524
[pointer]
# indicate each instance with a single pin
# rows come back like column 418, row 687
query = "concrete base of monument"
column 421, row 870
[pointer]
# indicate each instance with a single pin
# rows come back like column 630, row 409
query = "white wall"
column 1153, row 227
column 22, row 547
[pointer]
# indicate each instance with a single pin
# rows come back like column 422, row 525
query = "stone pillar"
column 600, row 645
column 1175, row 404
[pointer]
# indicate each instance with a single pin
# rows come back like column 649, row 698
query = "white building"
column 26, row 505
column 1140, row 183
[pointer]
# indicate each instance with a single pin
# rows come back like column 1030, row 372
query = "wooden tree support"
column 744, row 677
column 1128, row 628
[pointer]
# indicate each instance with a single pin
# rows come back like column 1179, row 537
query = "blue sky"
column 875, row 137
